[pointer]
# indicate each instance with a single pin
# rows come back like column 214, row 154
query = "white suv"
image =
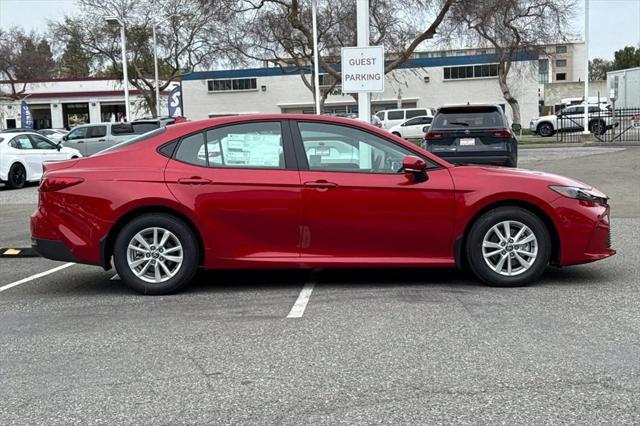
column 571, row 119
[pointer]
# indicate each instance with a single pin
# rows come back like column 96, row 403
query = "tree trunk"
column 506, row 93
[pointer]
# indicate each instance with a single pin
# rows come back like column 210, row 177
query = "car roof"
column 11, row 134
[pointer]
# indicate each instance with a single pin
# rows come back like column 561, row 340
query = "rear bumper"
column 54, row 250
column 464, row 158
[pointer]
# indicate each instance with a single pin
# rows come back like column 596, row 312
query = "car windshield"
column 452, row 118
column 134, row 140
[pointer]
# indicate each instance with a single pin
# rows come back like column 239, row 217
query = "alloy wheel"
column 510, row 248
column 155, row 255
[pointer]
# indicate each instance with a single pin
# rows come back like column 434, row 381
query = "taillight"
column 49, row 184
column 502, row 134
column 434, row 135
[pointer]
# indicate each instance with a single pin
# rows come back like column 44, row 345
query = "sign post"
column 363, row 73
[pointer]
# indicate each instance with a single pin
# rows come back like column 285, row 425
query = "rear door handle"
column 102, row 140
column 194, row 180
column 320, row 184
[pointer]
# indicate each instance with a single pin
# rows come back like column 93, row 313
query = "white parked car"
column 22, row 155
column 413, row 128
column 392, row 117
column 571, row 119
column 54, row 134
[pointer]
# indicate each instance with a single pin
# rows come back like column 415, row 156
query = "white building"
column 625, row 85
column 422, row 82
column 65, row 103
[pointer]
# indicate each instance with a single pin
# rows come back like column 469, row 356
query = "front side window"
column 77, row 133
column 380, row 115
column 418, row 120
column 331, row 147
column 41, row 143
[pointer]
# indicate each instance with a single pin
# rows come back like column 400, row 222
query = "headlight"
column 584, row 194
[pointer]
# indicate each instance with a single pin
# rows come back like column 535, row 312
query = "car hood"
column 535, row 177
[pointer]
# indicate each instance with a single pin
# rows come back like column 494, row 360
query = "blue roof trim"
column 412, row 63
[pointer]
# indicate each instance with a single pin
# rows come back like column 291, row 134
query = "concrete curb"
column 581, row 145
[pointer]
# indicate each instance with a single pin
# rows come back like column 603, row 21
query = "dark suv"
column 472, row 134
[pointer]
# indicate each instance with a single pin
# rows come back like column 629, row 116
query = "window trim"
column 290, row 162
column 450, row 69
column 303, row 161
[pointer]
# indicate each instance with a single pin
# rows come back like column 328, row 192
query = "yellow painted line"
column 11, row 252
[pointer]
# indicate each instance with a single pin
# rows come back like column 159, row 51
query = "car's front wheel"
column 545, row 130
column 156, row 254
column 508, row 247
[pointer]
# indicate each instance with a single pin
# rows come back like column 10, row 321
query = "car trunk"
column 463, row 142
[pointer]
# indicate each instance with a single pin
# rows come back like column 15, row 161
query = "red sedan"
column 300, row 191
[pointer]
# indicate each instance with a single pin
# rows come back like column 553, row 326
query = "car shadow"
column 4, row 187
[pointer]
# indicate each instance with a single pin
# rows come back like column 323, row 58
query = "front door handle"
column 321, row 184
column 194, row 180
column 102, row 140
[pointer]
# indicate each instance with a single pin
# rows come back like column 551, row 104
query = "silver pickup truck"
column 92, row 138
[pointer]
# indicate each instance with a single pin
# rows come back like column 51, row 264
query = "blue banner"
column 26, row 117
column 175, row 102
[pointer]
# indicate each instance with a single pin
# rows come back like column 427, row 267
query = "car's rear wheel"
column 397, row 134
column 156, row 254
column 597, row 127
column 17, row 176
column 508, row 247
column 545, row 130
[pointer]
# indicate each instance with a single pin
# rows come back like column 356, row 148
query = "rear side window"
column 395, row 115
column 460, row 118
column 121, row 129
column 415, row 112
column 192, row 150
column 140, row 128
column 97, row 132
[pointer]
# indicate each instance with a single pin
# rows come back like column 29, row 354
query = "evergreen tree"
column 75, row 60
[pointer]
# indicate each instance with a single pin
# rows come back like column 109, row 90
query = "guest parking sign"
column 362, row 69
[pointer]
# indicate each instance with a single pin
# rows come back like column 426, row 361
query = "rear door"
column 469, row 131
column 242, row 182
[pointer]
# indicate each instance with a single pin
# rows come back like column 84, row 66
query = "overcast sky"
column 613, row 23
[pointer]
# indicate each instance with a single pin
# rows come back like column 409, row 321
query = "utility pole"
column 362, row 14
column 585, row 123
column 316, row 75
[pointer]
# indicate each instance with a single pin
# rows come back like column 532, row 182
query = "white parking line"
column 301, row 303
column 36, row 276
column 116, row 277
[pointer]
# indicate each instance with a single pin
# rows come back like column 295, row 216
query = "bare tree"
column 512, row 28
column 188, row 37
column 279, row 32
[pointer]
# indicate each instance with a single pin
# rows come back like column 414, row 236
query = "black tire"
column 397, row 134
column 17, row 176
column 597, row 127
column 484, row 224
column 186, row 238
column 512, row 162
column 545, row 130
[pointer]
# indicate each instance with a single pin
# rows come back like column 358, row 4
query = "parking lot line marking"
column 36, row 276
column 116, row 277
column 301, row 303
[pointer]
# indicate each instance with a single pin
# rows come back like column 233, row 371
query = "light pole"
column 155, row 67
column 316, row 76
column 362, row 20
column 114, row 20
column 585, row 125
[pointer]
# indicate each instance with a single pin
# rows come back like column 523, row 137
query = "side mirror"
column 413, row 164
column 516, row 127
column 58, row 146
column 425, row 129
column 65, row 138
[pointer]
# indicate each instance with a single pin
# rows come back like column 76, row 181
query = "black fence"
column 605, row 124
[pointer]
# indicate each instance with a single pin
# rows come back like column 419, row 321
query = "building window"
column 561, row 76
column 561, row 63
column 232, row 85
column 561, row 49
column 543, row 71
column 470, row 71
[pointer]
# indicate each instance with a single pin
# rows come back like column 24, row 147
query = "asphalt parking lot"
column 392, row 346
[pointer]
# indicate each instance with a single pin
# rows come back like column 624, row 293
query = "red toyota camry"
column 299, row 191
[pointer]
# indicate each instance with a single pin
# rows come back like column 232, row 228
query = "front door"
column 46, row 150
column 359, row 205
column 76, row 139
column 242, row 183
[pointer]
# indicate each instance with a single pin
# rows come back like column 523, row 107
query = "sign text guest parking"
column 362, row 69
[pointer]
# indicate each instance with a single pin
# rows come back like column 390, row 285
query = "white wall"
column 289, row 90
